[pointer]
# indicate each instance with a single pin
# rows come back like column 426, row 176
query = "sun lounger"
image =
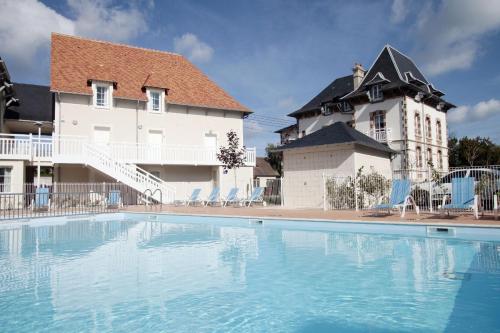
column 462, row 197
column 214, row 197
column 232, row 197
column 257, row 196
column 400, row 198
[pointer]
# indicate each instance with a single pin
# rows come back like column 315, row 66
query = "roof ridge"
column 30, row 84
column 389, row 49
column 116, row 44
column 410, row 59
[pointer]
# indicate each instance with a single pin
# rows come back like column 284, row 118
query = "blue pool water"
column 143, row 273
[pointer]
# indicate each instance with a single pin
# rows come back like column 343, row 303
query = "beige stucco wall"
column 303, row 171
column 372, row 161
column 129, row 121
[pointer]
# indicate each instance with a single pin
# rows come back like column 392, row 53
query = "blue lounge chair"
column 400, row 198
column 42, row 199
column 194, row 198
column 114, row 199
column 257, row 196
column 462, row 197
column 213, row 198
column 232, row 197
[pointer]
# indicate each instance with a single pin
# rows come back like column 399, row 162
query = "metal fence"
column 272, row 190
column 66, row 199
column 428, row 188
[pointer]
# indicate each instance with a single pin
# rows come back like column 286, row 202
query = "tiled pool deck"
column 319, row 214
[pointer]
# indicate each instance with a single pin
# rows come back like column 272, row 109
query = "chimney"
column 358, row 73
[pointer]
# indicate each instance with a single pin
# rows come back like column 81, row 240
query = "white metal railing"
column 70, row 149
column 364, row 190
column 381, row 135
column 132, row 175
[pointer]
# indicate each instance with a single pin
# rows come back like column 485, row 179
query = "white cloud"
column 98, row 19
column 449, row 35
column 22, row 40
column 193, row 48
column 399, row 11
column 26, row 25
column 480, row 111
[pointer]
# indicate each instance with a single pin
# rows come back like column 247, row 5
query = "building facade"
column 393, row 103
column 147, row 118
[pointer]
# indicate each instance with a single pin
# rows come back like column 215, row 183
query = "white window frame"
column 6, row 179
column 346, row 107
column 109, row 95
column 382, row 121
column 376, row 93
column 149, row 92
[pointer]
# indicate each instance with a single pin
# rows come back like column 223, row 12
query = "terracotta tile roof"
column 263, row 169
column 76, row 60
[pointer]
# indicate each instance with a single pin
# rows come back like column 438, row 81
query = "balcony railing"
column 69, row 149
column 381, row 135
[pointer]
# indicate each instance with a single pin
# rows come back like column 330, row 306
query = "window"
column 428, row 127
column 346, row 107
column 155, row 101
column 439, row 134
column 5, row 180
column 418, row 128
column 429, row 157
column 376, row 93
column 440, row 159
column 377, row 120
column 102, row 96
column 418, row 153
column 327, row 109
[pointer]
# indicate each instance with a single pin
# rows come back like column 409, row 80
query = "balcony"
column 381, row 135
column 69, row 149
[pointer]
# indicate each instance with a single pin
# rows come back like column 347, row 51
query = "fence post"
column 324, row 191
column 356, row 193
column 429, row 176
column 282, row 196
column 31, row 147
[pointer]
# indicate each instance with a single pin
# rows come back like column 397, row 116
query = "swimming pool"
column 168, row 273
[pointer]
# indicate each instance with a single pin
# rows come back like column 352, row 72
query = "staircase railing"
column 129, row 174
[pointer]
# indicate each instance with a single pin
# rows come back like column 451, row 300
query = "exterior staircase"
column 129, row 174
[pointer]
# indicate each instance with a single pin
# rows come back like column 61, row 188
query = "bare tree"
column 232, row 156
column 471, row 150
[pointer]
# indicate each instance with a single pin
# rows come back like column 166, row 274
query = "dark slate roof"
column 286, row 128
column 263, row 169
column 337, row 133
column 35, row 103
column 400, row 71
column 334, row 90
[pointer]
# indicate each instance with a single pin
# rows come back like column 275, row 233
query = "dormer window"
column 346, row 107
column 102, row 94
column 155, row 100
column 376, row 93
column 327, row 109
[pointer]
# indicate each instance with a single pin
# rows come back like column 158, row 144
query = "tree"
column 232, row 156
column 472, row 151
column 274, row 158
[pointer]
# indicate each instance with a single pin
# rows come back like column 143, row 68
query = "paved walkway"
column 279, row 212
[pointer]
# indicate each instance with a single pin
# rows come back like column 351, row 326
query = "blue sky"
column 273, row 56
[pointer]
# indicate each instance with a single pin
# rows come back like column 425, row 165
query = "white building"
column 393, row 103
column 147, row 118
column 335, row 150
